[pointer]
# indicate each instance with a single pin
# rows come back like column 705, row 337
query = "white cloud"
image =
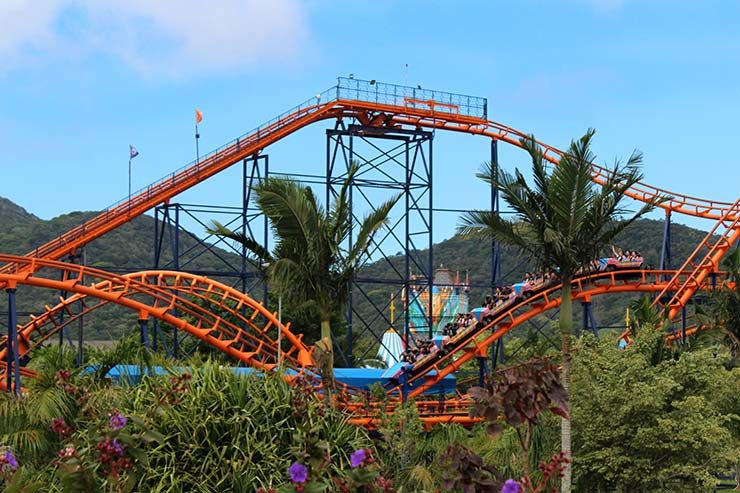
column 161, row 37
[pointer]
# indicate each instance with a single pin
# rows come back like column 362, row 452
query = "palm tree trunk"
column 566, row 327
column 326, row 330
column 327, row 365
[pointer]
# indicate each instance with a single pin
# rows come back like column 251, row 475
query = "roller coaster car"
column 609, row 264
column 525, row 289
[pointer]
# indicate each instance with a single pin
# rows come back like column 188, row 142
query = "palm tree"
column 311, row 263
column 563, row 221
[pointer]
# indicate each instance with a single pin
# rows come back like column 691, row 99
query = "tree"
column 563, row 221
column 311, row 263
column 722, row 312
column 645, row 425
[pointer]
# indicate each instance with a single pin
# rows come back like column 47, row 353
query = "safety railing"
column 411, row 97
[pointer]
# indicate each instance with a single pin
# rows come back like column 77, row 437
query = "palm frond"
column 218, row 229
column 341, row 209
column 290, row 208
column 489, row 225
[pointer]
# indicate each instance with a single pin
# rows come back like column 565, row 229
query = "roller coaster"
column 243, row 328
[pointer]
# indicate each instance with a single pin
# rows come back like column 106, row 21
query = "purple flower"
column 298, row 472
column 511, row 486
column 11, row 460
column 358, row 457
column 117, row 421
column 117, row 447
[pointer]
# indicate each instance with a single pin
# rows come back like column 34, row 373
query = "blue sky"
column 81, row 79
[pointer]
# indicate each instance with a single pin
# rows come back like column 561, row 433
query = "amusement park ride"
column 234, row 322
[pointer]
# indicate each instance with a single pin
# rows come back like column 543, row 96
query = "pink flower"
column 67, row 452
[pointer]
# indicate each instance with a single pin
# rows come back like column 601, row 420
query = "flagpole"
column 197, row 150
column 129, row 179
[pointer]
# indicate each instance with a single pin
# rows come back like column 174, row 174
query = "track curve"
column 161, row 294
column 217, row 314
column 429, row 371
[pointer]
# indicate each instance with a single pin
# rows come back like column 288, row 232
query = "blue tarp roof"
column 356, row 377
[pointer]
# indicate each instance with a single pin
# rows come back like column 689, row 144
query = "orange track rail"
column 477, row 341
column 219, row 315
column 253, row 143
column 684, row 286
column 161, row 293
column 254, row 346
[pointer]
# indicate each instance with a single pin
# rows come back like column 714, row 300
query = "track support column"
column 495, row 208
column 482, row 369
column 144, row 329
column 176, row 248
column 13, row 372
column 497, row 353
column 665, row 252
column 589, row 322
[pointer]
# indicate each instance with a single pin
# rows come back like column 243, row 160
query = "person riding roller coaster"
column 504, row 296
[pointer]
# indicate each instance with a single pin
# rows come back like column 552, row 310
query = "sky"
column 81, row 80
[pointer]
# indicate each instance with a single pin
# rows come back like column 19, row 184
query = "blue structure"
column 361, row 378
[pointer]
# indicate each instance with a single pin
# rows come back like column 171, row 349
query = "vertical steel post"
column 430, row 280
column 495, row 208
column 13, row 372
column 243, row 253
column 482, row 370
column 350, row 298
column 265, row 230
column 155, row 332
column 80, row 324
column 157, row 249
column 156, row 237
column 144, row 331
column 61, row 313
column 406, row 259
column 683, row 324
column 665, row 253
column 589, row 322
column 497, row 354
column 176, row 248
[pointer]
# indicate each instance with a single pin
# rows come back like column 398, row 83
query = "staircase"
column 692, row 274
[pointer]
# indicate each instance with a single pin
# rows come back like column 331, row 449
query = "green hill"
column 127, row 249
column 473, row 257
column 131, row 248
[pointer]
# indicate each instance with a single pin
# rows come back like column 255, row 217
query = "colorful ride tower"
column 448, row 297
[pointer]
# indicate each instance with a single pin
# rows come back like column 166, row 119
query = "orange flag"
column 198, row 116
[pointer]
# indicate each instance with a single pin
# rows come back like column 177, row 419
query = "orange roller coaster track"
column 219, row 315
column 241, row 327
column 476, row 341
column 244, row 329
column 340, row 102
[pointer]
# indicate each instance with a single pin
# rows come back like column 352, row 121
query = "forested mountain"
column 474, row 258
column 131, row 247
column 127, row 249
